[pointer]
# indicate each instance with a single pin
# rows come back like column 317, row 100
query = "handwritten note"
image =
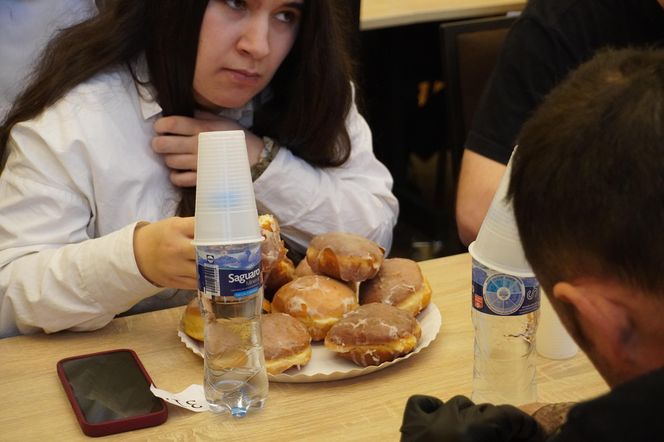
column 191, row 398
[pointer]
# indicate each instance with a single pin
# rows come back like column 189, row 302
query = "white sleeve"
column 355, row 197
column 53, row 276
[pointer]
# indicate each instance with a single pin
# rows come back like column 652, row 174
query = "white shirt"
column 26, row 26
column 80, row 176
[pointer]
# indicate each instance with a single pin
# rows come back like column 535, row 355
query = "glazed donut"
column 192, row 322
column 400, row 283
column 266, row 306
column 303, row 269
column 374, row 333
column 272, row 247
column 344, row 256
column 286, row 342
column 316, row 300
column 283, row 272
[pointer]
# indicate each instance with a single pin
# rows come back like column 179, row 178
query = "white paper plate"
column 325, row 365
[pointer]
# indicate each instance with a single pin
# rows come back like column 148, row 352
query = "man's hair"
column 587, row 179
column 311, row 90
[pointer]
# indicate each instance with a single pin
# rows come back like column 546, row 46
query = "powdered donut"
column 373, row 334
column 400, row 283
column 344, row 256
column 286, row 342
column 316, row 300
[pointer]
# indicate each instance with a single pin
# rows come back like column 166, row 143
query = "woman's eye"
column 236, row 4
column 288, row 16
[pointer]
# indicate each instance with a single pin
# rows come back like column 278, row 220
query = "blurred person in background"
column 27, row 25
column 550, row 38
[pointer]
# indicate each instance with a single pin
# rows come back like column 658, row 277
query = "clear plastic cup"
column 553, row 341
column 225, row 203
column 498, row 244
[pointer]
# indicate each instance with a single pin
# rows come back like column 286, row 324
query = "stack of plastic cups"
column 227, row 239
column 505, row 309
column 225, row 203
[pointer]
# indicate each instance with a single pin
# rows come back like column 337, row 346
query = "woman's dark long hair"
column 311, row 90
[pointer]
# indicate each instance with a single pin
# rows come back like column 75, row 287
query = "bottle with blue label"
column 231, row 294
column 505, row 308
column 505, row 311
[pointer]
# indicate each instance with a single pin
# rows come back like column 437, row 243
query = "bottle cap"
column 225, row 203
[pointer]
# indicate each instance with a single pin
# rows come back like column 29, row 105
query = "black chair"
column 469, row 50
column 355, row 12
column 394, row 62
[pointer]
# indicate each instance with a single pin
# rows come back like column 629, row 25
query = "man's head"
column 587, row 185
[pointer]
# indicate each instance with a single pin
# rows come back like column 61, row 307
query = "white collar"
column 149, row 106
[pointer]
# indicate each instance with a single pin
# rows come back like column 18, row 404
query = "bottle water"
column 231, row 294
column 505, row 311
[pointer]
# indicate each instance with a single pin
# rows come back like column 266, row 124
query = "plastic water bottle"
column 505, row 308
column 505, row 311
column 227, row 238
column 231, row 294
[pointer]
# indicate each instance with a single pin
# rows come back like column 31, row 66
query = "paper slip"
column 191, row 398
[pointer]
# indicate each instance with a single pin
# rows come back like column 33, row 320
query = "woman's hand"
column 177, row 141
column 164, row 253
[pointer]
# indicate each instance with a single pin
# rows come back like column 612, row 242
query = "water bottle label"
column 232, row 272
column 496, row 293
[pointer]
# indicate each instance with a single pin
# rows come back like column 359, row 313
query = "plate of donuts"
column 344, row 311
column 325, row 365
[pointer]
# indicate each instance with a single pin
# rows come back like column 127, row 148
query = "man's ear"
column 604, row 322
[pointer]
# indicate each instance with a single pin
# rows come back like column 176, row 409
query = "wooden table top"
column 376, row 14
column 369, row 407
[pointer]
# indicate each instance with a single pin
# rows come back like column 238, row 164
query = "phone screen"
column 110, row 386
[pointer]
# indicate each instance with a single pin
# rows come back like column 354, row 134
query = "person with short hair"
column 587, row 185
column 96, row 215
column 588, row 194
column 548, row 40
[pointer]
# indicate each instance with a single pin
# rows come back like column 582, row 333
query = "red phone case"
column 117, row 425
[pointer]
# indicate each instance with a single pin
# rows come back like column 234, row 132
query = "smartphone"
column 110, row 392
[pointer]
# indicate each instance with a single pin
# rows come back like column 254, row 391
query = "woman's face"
column 242, row 44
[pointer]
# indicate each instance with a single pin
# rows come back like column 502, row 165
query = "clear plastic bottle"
column 505, row 311
column 231, row 296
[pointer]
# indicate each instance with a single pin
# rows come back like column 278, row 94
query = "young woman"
column 96, row 147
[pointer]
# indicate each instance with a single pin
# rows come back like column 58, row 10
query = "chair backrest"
column 470, row 49
column 355, row 12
